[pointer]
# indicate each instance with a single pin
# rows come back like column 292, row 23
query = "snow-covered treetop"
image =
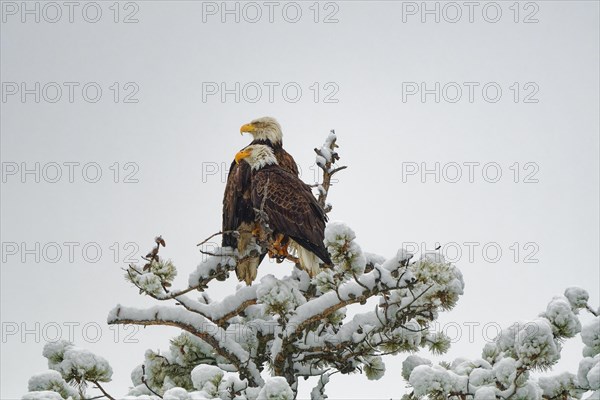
column 258, row 342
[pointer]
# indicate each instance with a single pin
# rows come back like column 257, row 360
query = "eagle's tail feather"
column 309, row 261
column 247, row 268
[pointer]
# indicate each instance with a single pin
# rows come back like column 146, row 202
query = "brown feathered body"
column 238, row 211
column 292, row 211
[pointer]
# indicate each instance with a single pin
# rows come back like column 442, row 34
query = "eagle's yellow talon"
column 283, row 252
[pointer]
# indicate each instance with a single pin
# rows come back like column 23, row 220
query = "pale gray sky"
column 518, row 96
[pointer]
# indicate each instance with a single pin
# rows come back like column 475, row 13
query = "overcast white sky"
column 517, row 89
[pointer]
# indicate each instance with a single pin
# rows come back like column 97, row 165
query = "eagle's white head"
column 265, row 128
column 257, row 156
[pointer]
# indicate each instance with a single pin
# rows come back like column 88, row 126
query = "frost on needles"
column 261, row 341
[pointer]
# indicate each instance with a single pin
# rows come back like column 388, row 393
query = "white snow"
column 553, row 386
column 276, row 388
column 344, row 251
column 590, row 334
column 505, row 371
column 73, row 362
column 278, row 295
column 485, row 393
column 43, row 380
column 535, row 344
column 338, row 232
column 203, row 374
column 585, row 365
column 321, row 161
column 564, row 322
column 137, row 375
column 51, row 381
column 325, row 153
column 577, row 297
column 42, row 395
column 425, row 379
column 373, row 259
column 196, row 322
column 224, row 258
column 593, row 377
column 530, row 391
column 411, row 363
column 176, row 393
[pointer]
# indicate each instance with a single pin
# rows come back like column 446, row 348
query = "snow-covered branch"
column 504, row 371
column 196, row 325
column 297, row 326
column 258, row 342
column 326, row 158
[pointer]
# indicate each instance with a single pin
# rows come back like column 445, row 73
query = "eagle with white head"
column 294, row 214
column 238, row 211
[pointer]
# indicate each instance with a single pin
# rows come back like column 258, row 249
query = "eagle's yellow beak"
column 241, row 155
column 247, row 128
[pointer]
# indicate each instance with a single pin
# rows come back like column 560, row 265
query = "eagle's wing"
column 237, row 202
column 292, row 208
column 286, row 161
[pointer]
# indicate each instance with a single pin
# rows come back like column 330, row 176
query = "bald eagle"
column 293, row 212
column 238, row 213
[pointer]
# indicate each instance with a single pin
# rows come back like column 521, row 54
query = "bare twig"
column 145, row 382
column 216, row 234
column 102, row 390
column 591, row 310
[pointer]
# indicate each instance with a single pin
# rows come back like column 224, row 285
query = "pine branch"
column 353, row 292
column 145, row 382
column 102, row 390
column 592, row 311
column 197, row 326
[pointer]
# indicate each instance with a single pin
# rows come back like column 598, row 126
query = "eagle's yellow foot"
column 282, row 251
column 279, row 250
column 277, row 254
